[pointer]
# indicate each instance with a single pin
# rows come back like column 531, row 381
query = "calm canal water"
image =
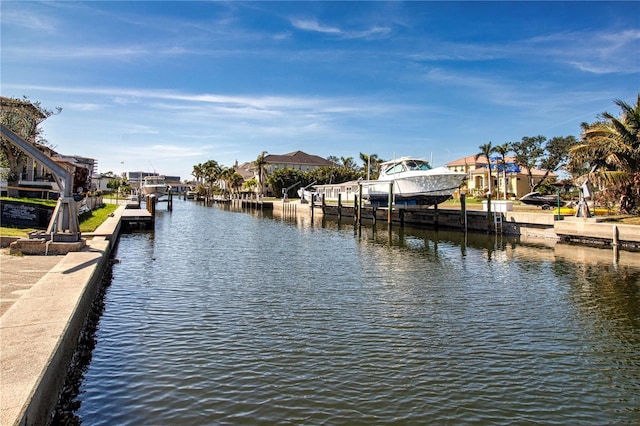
column 222, row 317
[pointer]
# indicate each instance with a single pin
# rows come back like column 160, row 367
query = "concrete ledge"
column 6, row 241
column 585, row 228
column 40, row 333
column 531, row 218
column 39, row 246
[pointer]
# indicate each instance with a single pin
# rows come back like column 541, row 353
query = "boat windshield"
column 395, row 168
column 418, row 165
column 408, row 165
column 154, row 181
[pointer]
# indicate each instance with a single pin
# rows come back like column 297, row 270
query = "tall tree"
column 348, row 163
column 485, row 151
column 225, row 177
column 557, row 154
column 528, row 153
column 503, row 150
column 198, row 172
column 371, row 163
column 335, row 160
column 235, row 180
column 286, row 179
column 610, row 147
column 260, row 164
column 23, row 118
column 211, row 171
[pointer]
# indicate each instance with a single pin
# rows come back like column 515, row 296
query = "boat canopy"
column 403, row 165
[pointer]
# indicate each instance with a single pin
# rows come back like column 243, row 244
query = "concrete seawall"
column 39, row 331
column 589, row 231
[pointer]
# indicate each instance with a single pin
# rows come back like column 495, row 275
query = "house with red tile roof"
column 515, row 180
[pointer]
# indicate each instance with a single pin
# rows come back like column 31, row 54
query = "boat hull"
column 154, row 185
column 158, row 191
column 544, row 201
column 430, row 188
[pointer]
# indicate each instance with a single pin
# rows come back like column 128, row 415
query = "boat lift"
column 64, row 225
column 303, row 200
column 285, row 198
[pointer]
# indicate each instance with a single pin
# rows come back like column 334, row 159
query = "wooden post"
column 463, row 211
column 435, row 216
column 359, row 204
column 151, row 207
column 401, row 211
column 489, row 216
column 390, row 203
column 339, row 205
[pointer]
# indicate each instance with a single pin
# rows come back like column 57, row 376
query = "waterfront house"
column 517, row 183
column 297, row 160
column 36, row 180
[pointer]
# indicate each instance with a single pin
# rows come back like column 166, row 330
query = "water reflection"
column 247, row 318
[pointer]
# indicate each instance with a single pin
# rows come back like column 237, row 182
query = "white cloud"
column 597, row 52
column 312, row 25
column 315, row 26
column 29, row 20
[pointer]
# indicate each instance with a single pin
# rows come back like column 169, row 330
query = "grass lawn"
column 50, row 203
column 88, row 221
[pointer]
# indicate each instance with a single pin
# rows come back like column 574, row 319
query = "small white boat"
column 414, row 181
column 155, row 185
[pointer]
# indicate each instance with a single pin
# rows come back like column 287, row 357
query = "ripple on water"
column 243, row 320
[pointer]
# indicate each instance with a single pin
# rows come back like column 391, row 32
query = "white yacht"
column 154, row 185
column 415, row 182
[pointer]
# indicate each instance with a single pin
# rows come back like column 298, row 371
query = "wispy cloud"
column 314, row 26
column 31, row 21
column 600, row 52
column 215, row 113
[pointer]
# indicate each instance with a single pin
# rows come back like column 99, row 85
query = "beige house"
column 297, row 160
column 517, row 183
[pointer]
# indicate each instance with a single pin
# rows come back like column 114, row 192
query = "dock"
column 527, row 223
column 137, row 219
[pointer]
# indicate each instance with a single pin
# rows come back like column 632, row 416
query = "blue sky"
column 162, row 86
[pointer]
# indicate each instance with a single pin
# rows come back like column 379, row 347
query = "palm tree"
column 485, row 151
column 197, row 173
column 348, row 163
column 503, row 150
column 260, row 164
column 369, row 160
column 333, row 159
column 235, row 180
column 211, row 171
column 611, row 149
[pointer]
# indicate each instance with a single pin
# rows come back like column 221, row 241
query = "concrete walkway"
column 44, row 303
